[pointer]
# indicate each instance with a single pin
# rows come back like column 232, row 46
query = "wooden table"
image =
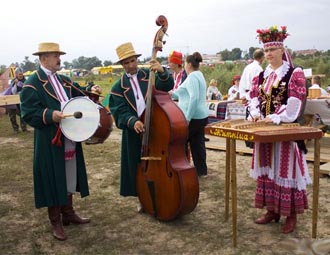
column 9, row 100
column 267, row 133
column 319, row 106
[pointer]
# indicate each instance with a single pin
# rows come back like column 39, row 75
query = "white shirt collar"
column 48, row 72
column 280, row 72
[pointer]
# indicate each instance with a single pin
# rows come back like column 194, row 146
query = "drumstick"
column 77, row 115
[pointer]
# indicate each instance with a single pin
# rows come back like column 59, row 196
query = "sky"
column 94, row 28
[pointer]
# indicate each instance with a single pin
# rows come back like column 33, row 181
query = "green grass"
column 117, row 228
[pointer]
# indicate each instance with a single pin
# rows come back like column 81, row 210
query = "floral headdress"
column 272, row 36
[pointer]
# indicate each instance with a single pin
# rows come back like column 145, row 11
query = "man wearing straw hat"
column 127, row 103
column 58, row 167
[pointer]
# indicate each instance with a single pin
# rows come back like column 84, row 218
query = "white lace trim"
column 254, row 109
column 300, row 182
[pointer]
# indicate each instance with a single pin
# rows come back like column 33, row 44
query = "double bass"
column 167, row 185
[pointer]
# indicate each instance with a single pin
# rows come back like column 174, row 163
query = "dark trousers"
column 197, row 144
column 12, row 116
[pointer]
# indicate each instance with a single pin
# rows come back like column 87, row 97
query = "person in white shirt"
column 249, row 72
column 233, row 92
column 316, row 83
column 213, row 92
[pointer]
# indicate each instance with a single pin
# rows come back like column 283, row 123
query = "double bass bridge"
column 151, row 158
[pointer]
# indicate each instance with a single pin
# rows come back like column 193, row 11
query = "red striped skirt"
column 281, row 200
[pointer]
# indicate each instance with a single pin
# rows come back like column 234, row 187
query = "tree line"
column 319, row 62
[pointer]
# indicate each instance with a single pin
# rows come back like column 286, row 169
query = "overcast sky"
column 96, row 27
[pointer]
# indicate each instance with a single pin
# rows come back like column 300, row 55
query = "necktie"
column 57, row 87
column 135, row 86
column 270, row 81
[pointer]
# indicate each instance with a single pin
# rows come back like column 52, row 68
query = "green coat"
column 38, row 101
column 123, row 108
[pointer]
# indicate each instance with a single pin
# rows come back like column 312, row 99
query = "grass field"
column 117, row 228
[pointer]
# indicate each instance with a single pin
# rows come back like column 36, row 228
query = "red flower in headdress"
column 272, row 34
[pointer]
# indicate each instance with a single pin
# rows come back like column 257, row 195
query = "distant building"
column 305, row 52
column 212, row 59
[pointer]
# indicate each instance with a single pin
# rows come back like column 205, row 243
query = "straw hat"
column 48, row 47
column 125, row 51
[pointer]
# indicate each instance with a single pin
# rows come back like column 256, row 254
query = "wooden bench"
column 325, row 168
column 9, row 100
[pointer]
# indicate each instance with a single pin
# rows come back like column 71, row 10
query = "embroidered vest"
column 278, row 95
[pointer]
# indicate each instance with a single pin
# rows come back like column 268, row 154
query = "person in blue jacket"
column 191, row 95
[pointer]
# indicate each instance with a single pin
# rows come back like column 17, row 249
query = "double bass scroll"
column 166, row 183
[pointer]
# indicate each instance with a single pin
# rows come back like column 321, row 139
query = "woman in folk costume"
column 175, row 65
column 280, row 168
column 233, row 91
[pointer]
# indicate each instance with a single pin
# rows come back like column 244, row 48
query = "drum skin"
column 94, row 126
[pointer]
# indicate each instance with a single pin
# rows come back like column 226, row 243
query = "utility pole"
column 179, row 48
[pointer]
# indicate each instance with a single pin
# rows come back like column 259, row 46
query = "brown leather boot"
column 69, row 215
column 268, row 217
column 54, row 214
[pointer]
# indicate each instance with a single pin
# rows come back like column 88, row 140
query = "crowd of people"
column 275, row 94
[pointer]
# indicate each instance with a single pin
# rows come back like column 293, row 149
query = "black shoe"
column 202, row 175
column 249, row 144
column 206, row 139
